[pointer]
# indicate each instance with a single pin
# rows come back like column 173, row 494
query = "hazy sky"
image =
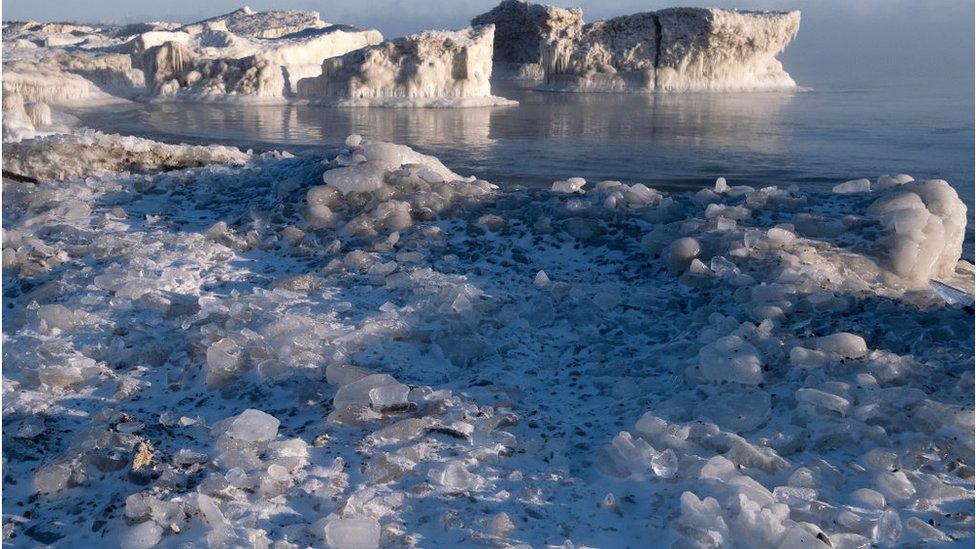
column 885, row 41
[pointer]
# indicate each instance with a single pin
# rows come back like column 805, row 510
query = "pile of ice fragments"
column 369, row 350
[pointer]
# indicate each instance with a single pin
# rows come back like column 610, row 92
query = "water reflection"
column 699, row 120
column 812, row 139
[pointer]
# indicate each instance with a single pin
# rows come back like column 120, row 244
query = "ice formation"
column 431, row 68
column 521, row 29
column 676, row 49
column 244, row 55
column 88, row 153
column 367, row 349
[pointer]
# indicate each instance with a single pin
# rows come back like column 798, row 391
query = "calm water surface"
column 811, row 138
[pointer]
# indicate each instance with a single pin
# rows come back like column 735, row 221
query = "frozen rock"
column 431, row 68
column 253, row 426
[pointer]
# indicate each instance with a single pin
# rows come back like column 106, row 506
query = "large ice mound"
column 677, row 49
column 431, row 68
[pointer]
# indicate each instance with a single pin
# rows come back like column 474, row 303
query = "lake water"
column 811, row 138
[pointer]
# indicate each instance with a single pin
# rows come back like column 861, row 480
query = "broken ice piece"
column 352, row 533
column 541, row 279
column 253, row 426
column 952, row 296
column 376, row 389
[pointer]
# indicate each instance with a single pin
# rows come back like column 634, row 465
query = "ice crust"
column 367, row 349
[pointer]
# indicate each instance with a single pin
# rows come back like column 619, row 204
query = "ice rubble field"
column 373, row 350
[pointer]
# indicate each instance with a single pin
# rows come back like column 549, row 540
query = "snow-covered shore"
column 371, row 349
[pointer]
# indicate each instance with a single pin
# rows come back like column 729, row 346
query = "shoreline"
column 425, row 357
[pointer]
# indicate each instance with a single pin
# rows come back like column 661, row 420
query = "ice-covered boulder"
column 924, row 227
column 521, row 29
column 676, row 49
column 431, row 68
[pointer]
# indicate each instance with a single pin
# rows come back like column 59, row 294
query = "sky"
column 881, row 42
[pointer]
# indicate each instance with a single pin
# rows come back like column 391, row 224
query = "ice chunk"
column 253, row 426
column 853, row 186
column 925, row 226
column 894, row 485
column 702, row 520
column 680, row 253
column 343, row 374
column 570, row 186
column 731, row 358
column 352, row 533
column 822, row 399
column 378, row 389
column 845, row 344
column 141, row 536
column 541, row 279
column 455, row 477
column 721, row 186
column 889, row 181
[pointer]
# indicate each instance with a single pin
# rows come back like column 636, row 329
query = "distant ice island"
column 295, row 56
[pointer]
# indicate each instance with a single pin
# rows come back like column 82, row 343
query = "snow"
column 431, row 68
column 247, row 350
column 676, row 49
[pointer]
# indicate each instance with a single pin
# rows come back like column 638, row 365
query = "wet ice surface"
column 241, row 355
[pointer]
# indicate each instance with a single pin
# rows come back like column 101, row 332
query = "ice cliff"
column 675, row 49
column 431, row 68
column 678, row 49
column 521, row 29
